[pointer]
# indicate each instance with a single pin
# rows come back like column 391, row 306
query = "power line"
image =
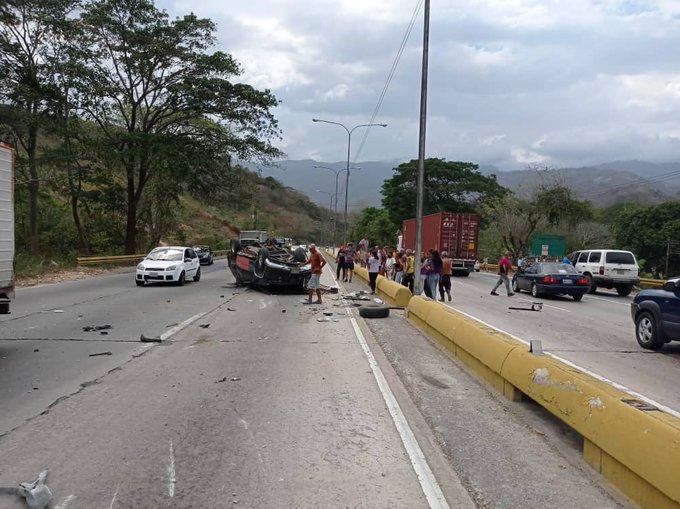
column 641, row 180
column 390, row 75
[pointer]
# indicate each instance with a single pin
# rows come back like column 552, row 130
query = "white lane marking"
column 428, row 482
column 66, row 502
column 172, row 480
column 584, row 370
column 263, row 304
column 609, row 300
column 113, row 501
column 185, row 323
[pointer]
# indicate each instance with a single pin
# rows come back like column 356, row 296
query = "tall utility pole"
column 418, row 283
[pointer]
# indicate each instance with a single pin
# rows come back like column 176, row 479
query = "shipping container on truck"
column 6, row 226
column 454, row 232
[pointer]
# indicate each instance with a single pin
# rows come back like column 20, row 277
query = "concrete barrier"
column 393, row 293
column 360, row 271
column 636, row 448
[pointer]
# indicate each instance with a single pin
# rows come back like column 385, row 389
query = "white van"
column 608, row 268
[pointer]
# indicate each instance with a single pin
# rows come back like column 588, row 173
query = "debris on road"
column 360, row 295
column 223, row 379
column 100, row 353
column 535, row 306
column 145, row 339
column 328, row 313
column 88, row 328
column 231, row 309
column 36, row 493
column 324, row 319
column 171, row 325
column 378, row 301
column 103, row 332
column 36, row 350
column 204, row 325
column 283, row 310
column 235, row 378
column 58, row 311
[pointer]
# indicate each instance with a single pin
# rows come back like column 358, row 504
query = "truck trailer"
column 6, row 227
column 454, row 232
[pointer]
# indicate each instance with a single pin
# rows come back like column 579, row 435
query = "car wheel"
column 182, row 279
column 197, row 277
column 139, row 283
column 235, row 245
column 592, row 288
column 211, row 261
column 374, row 312
column 646, row 333
column 260, row 263
column 515, row 286
column 578, row 297
column 623, row 291
column 299, row 255
column 534, row 290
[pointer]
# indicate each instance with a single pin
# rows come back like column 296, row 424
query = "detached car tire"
column 646, row 331
column 374, row 312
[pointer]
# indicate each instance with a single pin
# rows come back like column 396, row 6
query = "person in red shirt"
column 317, row 261
column 504, row 269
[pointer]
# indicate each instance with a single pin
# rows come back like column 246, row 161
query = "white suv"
column 608, row 268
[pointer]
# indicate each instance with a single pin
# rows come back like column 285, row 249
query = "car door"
column 524, row 279
column 191, row 262
column 670, row 315
column 581, row 262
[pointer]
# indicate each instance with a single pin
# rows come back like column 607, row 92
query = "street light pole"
column 349, row 144
column 335, row 210
column 418, row 281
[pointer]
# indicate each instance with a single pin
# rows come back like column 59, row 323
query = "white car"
column 173, row 264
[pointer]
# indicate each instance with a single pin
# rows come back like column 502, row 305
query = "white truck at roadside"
column 6, row 227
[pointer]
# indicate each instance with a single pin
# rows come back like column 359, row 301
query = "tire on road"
column 592, row 287
column 374, row 312
column 646, row 331
column 624, row 290
column 534, row 290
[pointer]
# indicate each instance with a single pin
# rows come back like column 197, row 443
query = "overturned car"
column 256, row 260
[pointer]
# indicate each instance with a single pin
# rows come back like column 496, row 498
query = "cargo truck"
column 6, row 227
column 454, row 232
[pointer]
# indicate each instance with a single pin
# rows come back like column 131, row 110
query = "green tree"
column 165, row 104
column 449, row 186
column 32, row 34
column 375, row 225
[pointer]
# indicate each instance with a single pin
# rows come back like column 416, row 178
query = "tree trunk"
column 33, row 189
column 131, row 228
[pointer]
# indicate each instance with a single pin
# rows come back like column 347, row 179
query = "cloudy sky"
column 511, row 82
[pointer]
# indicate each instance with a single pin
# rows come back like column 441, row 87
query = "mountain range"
column 603, row 184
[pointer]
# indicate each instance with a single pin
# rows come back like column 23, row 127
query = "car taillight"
column 549, row 280
column 601, row 270
column 583, row 281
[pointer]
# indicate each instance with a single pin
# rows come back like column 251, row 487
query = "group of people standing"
column 398, row 266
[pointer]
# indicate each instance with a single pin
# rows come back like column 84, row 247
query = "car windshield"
column 620, row 257
column 558, row 268
column 169, row 255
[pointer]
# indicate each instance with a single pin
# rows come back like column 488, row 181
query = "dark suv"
column 656, row 314
column 205, row 254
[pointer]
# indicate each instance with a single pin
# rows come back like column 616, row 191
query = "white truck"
column 6, row 227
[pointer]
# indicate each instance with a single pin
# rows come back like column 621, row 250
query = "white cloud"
column 511, row 82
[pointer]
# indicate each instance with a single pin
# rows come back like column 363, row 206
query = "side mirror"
column 672, row 286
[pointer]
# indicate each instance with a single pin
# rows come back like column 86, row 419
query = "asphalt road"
column 597, row 334
column 45, row 354
column 266, row 403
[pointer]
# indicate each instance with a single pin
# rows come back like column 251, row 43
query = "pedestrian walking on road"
column 317, row 261
column 349, row 262
column 445, row 279
column 504, row 269
column 435, row 273
column 374, row 268
column 340, row 263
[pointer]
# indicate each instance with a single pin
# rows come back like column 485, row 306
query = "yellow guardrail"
column 125, row 259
